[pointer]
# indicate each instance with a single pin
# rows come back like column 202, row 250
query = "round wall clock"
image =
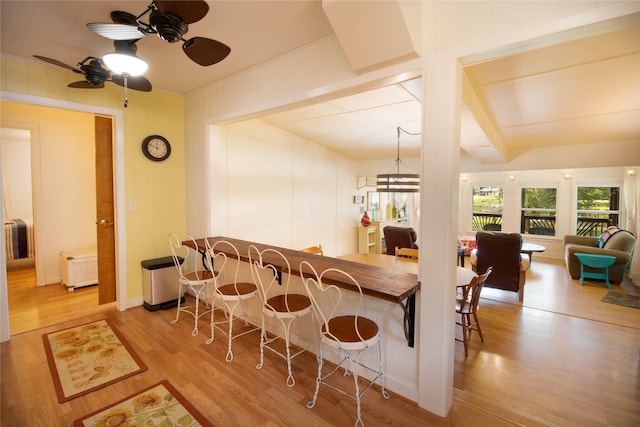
column 156, row 148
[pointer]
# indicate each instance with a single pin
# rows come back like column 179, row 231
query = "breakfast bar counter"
column 386, row 290
column 376, row 281
column 387, row 284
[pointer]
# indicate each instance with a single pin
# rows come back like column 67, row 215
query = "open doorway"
column 54, row 176
column 17, row 211
column 22, row 115
column 17, row 200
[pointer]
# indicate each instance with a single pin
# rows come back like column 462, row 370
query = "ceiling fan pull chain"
column 126, row 99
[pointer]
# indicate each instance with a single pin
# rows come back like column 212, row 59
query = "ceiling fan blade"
column 205, row 51
column 140, row 83
column 83, row 84
column 188, row 11
column 116, row 31
column 58, row 63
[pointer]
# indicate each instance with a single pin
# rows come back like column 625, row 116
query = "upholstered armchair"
column 619, row 244
column 502, row 252
column 399, row 237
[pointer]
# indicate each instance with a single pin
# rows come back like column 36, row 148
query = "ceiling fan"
column 96, row 73
column 170, row 21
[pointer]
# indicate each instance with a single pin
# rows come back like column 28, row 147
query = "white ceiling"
column 583, row 91
column 255, row 30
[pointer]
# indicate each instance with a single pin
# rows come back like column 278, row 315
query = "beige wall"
column 158, row 189
column 285, row 191
column 16, row 173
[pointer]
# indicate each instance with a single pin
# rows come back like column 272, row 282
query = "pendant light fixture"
column 399, row 182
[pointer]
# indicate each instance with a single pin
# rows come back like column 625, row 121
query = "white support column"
column 438, row 232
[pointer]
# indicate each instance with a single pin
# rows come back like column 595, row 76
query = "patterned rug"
column 158, row 405
column 88, row 357
column 622, row 299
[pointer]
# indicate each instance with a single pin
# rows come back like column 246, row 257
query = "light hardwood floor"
column 562, row 358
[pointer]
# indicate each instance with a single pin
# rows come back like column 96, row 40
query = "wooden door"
column 105, row 229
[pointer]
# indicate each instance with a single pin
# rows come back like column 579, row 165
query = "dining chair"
column 406, row 253
column 314, row 250
column 279, row 301
column 467, row 308
column 344, row 330
column 192, row 277
column 224, row 260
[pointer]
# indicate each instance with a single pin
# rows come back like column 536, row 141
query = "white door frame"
column 120, row 213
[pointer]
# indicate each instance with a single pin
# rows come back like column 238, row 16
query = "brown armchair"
column 399, row 237
column 619, row 245
column 502, row 252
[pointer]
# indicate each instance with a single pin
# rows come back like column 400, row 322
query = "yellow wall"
column 157, row 188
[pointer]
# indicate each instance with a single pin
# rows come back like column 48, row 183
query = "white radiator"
column 79, row 268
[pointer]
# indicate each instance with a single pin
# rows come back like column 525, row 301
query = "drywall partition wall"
column 65, row 197
column 285, row 191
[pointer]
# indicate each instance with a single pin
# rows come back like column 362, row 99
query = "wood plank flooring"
column 562, row 358
column 31, row 306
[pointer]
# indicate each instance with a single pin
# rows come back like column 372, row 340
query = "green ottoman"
column 595, row 261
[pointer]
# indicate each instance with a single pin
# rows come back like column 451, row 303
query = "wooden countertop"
column 379, row 282
column 407, row 265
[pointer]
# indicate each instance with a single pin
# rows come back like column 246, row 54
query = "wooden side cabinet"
column 368, row 240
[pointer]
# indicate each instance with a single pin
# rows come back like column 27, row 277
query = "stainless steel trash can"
column 160, row 283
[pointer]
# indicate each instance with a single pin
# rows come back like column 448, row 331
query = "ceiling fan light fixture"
column 170, row 21
column 125, row 63
column 398, row 182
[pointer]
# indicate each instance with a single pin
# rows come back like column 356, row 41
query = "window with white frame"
column 538, row 210
column 597, row 208
column 487, row 208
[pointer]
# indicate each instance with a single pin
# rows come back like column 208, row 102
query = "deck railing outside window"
column 543, row 225
column 588, row 226
column 486, row 222
column 540, row 225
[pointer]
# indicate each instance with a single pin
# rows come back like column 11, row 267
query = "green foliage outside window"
column 597, row 208
column 487, row 208
column 487, row 199
column 538, row 211
column 538, row 200
column 597, row 198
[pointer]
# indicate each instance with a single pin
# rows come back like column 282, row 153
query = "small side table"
column 595, row 261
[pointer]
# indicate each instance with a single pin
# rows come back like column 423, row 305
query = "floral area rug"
column 622, row 299
column 88, row 357
column 159, row 405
